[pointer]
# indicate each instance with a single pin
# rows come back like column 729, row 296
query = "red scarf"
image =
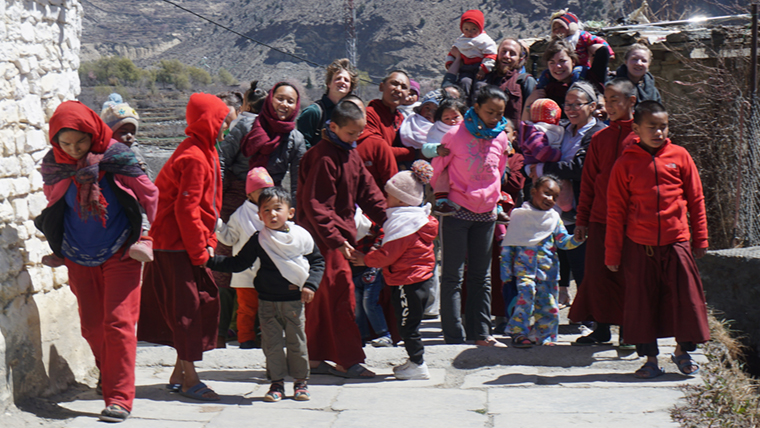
column 268, row 130
column 77, row 116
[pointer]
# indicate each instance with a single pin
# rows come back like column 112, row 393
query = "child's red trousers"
column 248, row 305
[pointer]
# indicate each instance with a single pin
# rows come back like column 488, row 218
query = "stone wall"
column 41, row 349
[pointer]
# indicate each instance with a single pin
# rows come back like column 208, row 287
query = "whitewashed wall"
column 41, row 349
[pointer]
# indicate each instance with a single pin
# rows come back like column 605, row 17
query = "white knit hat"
column 409, row 186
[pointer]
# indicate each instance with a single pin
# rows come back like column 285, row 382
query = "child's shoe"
column 114, row 413
column 250, row 344
column 276, row 392
column 444, row 207
column 301, row 392
column 382, row 342
column 142, row 250
column 53, row 261
column 411, row 371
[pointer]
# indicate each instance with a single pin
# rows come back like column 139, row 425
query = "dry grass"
column 728, row 396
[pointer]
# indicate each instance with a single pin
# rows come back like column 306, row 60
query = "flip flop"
column 322, row 368
column 683, row 361
column 649, row 371
column 197, row 391
column 353, row 372
column 521, row 342
column 173, row 387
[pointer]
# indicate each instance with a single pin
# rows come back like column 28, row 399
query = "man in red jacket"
column 600, row 296
column 653, row 196
column 376, row 144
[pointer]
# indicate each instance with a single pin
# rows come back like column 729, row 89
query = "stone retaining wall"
column 41, row 349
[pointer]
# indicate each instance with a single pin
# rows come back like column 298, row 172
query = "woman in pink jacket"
column 479, row 147
column 95, row 188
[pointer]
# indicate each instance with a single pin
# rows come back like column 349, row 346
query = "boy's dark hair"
column 388, row 76
column 352, row 97
column 456, row 87
column 558, row 45
column 233, row 99
column 489, row 92
column 625, row 86
column 536, row 184
column 450, row 103
column 276, row 192
column 647, row 107
column 255, row 97
column 346, row 111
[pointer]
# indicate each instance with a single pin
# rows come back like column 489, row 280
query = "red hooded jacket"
column 648, row 199
column 605, row 148
column 382, row 128
column 407, row 260
column 190, row 184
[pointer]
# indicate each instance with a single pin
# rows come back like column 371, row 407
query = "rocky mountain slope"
column 391, row 34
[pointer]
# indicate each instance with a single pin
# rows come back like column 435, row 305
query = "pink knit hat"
column 258, row 178
column 545, row 110
column 409, row 186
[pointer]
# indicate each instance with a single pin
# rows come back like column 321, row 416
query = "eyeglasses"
column 576, row 106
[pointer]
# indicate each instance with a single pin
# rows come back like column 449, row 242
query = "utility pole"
column 349, row 18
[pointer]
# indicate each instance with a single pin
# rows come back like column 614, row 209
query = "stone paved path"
column 562, row 386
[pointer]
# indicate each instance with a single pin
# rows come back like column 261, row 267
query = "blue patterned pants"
column 537, row 298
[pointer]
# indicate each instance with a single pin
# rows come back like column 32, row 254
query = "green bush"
column 112, row 70
column 199, row 76
column 226, row 78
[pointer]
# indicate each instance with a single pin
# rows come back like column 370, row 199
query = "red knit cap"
column 569, row 20
column 545, row 110
column 475, row 16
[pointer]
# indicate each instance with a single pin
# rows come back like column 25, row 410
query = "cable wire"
column 308, row 61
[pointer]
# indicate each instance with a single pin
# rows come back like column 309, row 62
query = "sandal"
column 322, row 368
column 301, row 392
column 197, row 391
column 490, row 342
column 683, row 361
column 521, row 342
column 356, row 371
column 276, row 392
column 649, row 371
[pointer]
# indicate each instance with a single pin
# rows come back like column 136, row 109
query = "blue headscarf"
column 478, row 129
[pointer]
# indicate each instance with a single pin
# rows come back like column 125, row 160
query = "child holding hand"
column 408, row 260
column 530, row 254
column 658, row 184
column 243, row 223
column 291, row 268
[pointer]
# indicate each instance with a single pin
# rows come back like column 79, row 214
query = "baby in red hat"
column 473, row 53
column 565, row 25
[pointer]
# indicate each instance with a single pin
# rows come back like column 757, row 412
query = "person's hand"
column 358, row 258
column 613, row 268
column 347, row 250
column 307, row 295
column 219, row 225
column 699, row 252
column 442, row 150
column 481, row 75
column 581, row 233
column 210, row 251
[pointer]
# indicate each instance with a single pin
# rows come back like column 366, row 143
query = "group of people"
column 397, row 210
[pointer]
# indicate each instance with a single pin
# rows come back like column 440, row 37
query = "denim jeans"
column 367, row 287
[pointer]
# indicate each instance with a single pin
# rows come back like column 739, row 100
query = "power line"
column 300, row 58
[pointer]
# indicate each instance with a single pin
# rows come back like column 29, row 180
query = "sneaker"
column 382, row 342
column 411, row 371
column 249, row 344
column 114, row 413
column 301, row 392
column 276, row 392
column 53, row 261
column 444, row 208
column 142, row 250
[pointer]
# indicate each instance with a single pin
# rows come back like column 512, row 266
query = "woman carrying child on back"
column 638, row 58
column 477, row 161
column 530, row 254
column 95, row 189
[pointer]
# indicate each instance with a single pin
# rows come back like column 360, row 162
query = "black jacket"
column 269, row 282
